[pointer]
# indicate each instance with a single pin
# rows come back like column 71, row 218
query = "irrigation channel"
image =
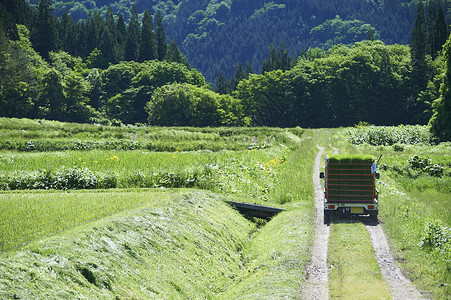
column 316, row 284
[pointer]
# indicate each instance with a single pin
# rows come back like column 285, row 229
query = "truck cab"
column 349, row 186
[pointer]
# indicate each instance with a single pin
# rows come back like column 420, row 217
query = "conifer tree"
column 430, row 31
column 43, row 35
column 132, row 40
column 441, row 120
column 148, row 46
column 109, row 38
column 418, row 49
column 174, row 54
column 240, row 74
column 220, row 86
column 248, row 69
column 67, row 33
column 162, row 46
column 120, row 37
column 440, row 30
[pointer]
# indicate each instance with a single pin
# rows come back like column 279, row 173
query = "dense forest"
column 215, row 35
column 119, row 68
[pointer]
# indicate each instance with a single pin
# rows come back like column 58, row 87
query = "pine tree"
column 430, row 31
column 132, row 40
column 441, row 120
column 284, row 58
column 220, row 86
column 43, row 35
column 109, row 38
column 148, row 46
column 120, row 37
column 162, row 46
column 418, row 49
column 240, row 74
column 174, row 54
column 248, row 69
column 67, row 33
column 440, row 31
column 370, row 35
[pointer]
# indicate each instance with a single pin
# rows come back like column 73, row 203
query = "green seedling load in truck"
column 349, row 186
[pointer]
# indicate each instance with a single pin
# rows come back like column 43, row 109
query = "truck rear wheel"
column 326, row 219
column 373, row 218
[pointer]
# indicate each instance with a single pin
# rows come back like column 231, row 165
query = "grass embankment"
column 276, row 256
column 179, row 245
column 415, row 196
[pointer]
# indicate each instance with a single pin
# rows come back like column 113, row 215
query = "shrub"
column 398, row 147
column 75, row 178
column 389, row 135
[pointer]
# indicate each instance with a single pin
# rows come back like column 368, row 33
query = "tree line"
column 368, row 81
column 104, row 40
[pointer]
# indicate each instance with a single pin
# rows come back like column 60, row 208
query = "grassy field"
column 106, row 221
column 162, row 249
column 95, row 242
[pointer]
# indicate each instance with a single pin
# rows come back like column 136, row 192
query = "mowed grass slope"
column 179, row 245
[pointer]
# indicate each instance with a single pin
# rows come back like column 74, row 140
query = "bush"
column 388, row 135
column 398, row 147
column 75, row 178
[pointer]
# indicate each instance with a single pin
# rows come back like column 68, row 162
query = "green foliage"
column 351, row 159
column 440, row 122
column 436, row 241
column 337, row 31
column 188, row 105
column 385, row 135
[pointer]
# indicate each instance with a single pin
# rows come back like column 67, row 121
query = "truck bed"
column 350, row 183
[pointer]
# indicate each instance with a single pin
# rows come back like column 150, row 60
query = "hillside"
column 217, row 35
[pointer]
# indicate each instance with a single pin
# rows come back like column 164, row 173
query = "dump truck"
column 349, row 186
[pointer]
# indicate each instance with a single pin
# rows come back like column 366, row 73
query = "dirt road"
column 317, row 272
column 400, row 286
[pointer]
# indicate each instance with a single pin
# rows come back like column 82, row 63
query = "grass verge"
column 354, row 271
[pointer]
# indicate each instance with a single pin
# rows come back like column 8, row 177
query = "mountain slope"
column 215, row 35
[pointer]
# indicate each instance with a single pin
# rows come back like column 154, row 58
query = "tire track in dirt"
column 317, row 272
column 400, row 286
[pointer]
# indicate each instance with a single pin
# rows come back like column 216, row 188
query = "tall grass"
column 42, row 135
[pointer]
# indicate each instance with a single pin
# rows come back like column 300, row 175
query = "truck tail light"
column 370, row 206
column 331, row 206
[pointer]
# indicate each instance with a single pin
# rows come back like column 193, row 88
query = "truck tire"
column 373, row 218
column 326, row 219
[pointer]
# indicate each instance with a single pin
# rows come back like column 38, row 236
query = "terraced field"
column 143, row 213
